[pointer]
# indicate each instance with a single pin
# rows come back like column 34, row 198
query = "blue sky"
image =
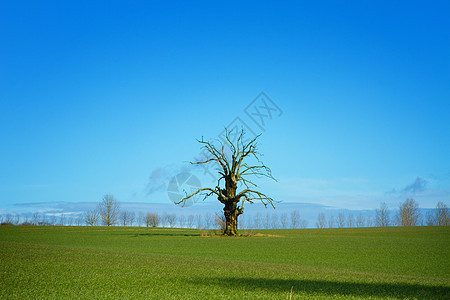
column 109, row 97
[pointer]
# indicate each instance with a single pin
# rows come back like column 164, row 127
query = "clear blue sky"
column 109, row 97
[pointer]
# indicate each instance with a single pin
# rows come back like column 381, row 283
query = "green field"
column 118, row 262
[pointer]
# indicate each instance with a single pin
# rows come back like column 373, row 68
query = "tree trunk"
column 231, row 213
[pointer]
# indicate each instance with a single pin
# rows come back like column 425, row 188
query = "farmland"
column 126, row 262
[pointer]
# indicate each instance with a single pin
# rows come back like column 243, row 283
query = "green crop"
column 140, row 263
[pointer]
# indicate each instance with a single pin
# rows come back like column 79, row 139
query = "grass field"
column 118, row 262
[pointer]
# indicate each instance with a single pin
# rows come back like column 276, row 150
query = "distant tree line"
column 108, row 213
column 408, row 214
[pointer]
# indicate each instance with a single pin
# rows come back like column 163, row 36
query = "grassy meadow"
column 123, row 262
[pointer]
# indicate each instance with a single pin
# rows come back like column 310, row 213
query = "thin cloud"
column 419, row 185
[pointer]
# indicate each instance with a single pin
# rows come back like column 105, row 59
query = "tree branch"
column 211, row 191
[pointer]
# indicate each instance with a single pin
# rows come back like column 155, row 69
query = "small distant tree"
column 17, row 221
column 91, row 217
column 409, row 213
column 109, row 210
column 148, row 219
column 382, row 216
column 431, row 218
column 131, row 217
column 182, row 221
column 52, row 220
column 274, row 221
column 284, row 220
column 199, row 218
column 360, row 220
column 141, row 218
column 267, row 221
column 9, row 219
column 321, row 221
column 152, row 220
column 70, row 220
column 43, row 221
column 220, row 222
column 62, row 219
column 155, row 220
column 36, row 217
column 304, row 223
column 190, row 221
column 171, row 220
column 350, row 221
column 242, row 222
column 341, row 220
column 79, row 219
column 442, row 215
column 208, row 220
column 331, row 222
column 257, row 220
column 124, row 216
column 295, row 219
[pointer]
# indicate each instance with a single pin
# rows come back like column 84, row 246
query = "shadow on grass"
column 330, row 288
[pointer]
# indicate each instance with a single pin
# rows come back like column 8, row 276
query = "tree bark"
column 231, row 212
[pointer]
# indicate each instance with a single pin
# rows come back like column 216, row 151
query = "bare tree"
column 235, row 169
column 199, row 221
column 274, row 221
column 220, row 222
column 131, row 217
column 267, row 221
column 43, row 220
column 382, row 216
column 350, row 220
column 341, row 220
column 148, row 219
column 283, row 220
column 36, row 218
column 360, row 221
column 8, row 219
column 331, row 222
column 171, row 219
column 242, row 222
column 91, row 217
column 257, row 220
column 79, row 220
column 295, row 219
column 442, row 215
column 155, row 220
column 70, row 221
column 208, row 220
column 62, row 219
column 431, row 218
column 182, row 221
column 124, row 216
column 304, row 223
column 190, row 221
column 409, row 213
column 152, row 220
column 321, row 220
column 141, row 218
column 109, row 210
column 17, row 220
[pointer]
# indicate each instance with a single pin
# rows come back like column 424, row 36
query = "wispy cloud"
column 419, row 185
